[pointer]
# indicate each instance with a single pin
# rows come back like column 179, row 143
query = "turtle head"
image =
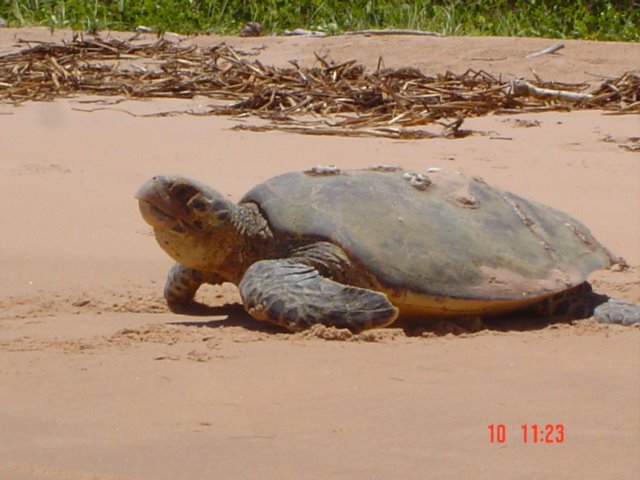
column 191, row 222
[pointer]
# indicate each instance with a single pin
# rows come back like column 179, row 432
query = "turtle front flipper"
column 183, row 283
column 294, row 295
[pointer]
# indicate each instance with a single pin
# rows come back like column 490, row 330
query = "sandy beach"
column 98, row 380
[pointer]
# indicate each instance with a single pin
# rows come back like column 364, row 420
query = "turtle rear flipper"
column 293, row 295
column 619, row 311
column 582, row 302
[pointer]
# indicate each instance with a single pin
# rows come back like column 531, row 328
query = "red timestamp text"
column 529, row 433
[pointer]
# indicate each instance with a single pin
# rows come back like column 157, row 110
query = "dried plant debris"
column 326, row 99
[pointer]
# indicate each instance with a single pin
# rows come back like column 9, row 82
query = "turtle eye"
column 183, row 192
column 198, row 204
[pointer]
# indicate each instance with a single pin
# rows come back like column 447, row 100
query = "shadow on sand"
column 235, row 316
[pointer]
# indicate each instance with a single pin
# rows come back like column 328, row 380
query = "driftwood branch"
column 520, row 88
column 546, row 51
column 316, row 33
column 304, row 33
column 393, row 32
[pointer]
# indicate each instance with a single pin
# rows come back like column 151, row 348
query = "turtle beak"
column 149, row 188
column 158, row 206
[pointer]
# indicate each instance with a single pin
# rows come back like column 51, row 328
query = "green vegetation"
column 590, row 19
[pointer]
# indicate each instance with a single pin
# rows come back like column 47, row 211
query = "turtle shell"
column 430, row 239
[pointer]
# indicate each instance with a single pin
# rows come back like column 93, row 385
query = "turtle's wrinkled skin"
column 357, row 248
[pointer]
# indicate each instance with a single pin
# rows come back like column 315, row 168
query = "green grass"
column 592, row 19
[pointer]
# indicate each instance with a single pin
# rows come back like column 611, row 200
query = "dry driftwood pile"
column 329, row 98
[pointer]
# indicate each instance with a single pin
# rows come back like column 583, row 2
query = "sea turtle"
column 358, row 248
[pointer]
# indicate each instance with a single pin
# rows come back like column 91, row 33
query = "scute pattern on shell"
column 427, row 241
